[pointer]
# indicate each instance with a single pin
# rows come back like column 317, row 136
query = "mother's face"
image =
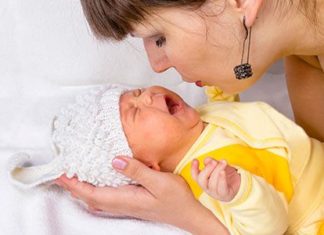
column 203, row 45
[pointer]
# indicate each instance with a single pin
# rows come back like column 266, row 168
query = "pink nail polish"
column 119, row 164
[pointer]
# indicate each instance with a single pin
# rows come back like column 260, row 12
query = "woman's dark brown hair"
column 114, row 19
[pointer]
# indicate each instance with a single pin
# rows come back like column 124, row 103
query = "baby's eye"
column 160, row 42
column 135, row 111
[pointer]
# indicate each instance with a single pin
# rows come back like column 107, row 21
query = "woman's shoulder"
column 305, row 82
column 315, row 62
column 321, row 61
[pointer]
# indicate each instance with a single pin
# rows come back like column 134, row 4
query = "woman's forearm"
column 203, row 222
column 170, row 201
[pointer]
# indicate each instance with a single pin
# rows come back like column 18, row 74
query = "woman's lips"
column 199, row 83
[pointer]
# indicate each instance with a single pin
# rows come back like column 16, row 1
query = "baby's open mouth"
column 172, row 105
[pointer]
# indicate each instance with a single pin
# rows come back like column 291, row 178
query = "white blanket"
column 49, row 210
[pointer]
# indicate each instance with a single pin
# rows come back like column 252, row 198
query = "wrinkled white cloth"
column 50, row 210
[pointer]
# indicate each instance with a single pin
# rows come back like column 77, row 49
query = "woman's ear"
column 249, row 9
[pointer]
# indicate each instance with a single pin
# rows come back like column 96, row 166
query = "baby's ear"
column 153, row 165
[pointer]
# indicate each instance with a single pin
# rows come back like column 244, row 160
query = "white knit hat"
column 86, row 135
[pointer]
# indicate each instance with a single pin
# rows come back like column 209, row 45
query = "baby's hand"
column 217, row 179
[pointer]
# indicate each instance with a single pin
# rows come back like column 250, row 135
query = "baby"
column 257, row 171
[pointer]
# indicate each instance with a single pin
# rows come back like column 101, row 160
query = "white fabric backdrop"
column 47, row 55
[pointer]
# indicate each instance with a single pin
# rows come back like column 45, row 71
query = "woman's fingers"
column 114, row 200
column 121, row 198
column 79, row 190
column 139, row 172
column 166, row 199
column 84, row 191
column 93, row 209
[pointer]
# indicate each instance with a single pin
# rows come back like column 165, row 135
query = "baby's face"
column 157, row 123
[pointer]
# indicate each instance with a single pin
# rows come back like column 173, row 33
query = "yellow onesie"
column 282, row 170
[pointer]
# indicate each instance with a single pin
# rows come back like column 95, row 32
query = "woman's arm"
column 162, row 197
column 305, row 82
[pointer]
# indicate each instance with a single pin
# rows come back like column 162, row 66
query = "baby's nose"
column 146, row 98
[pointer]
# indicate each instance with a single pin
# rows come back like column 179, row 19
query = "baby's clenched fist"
column 217, row 179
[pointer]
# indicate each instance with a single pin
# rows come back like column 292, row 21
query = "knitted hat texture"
column 87, row 135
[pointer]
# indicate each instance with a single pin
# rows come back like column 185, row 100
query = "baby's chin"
column 191, row 116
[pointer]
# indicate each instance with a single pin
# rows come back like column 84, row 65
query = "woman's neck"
column 302, row 31
column 278, row 33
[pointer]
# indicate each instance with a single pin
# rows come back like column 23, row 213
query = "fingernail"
column 119, row 164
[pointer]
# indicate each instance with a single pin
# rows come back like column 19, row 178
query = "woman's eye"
column 160, row 42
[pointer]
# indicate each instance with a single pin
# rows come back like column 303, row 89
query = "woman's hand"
column 161, row 197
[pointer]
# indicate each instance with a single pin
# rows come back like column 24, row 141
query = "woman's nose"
column 156, row 55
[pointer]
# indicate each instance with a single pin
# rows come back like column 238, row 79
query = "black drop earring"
column 244, row 70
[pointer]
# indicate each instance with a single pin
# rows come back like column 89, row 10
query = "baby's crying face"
column 156, row 122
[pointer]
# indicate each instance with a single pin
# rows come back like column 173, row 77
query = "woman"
column 204, row 41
